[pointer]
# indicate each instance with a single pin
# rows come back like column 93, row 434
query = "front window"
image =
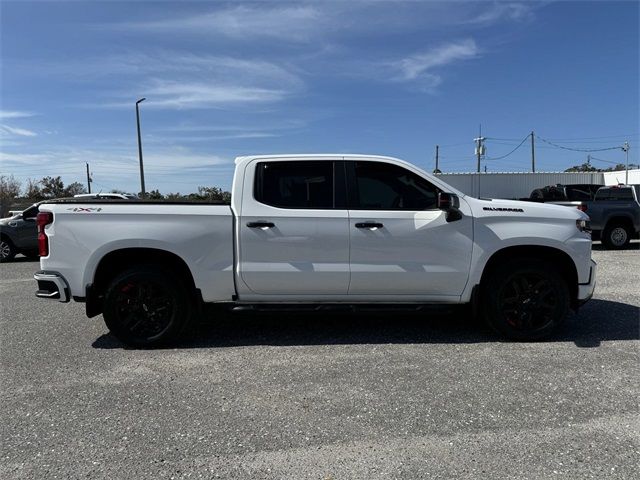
column 383, row 186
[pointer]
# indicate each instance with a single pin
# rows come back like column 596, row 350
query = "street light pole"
column 143, row 192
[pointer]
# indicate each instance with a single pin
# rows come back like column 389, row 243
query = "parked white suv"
column 316, row 229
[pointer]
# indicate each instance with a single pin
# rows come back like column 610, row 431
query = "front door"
column 401, row 244
column 294, row 228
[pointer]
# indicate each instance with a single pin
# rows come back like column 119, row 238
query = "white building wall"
column 614, row 178
column 516, row 185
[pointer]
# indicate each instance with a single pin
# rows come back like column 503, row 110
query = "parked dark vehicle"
column 19, row 234
column 615, row 214
column 565, row 193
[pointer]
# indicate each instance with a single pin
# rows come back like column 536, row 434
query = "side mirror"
column 448, row 201
column 450, row 204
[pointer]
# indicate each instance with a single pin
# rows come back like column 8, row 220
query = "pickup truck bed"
column 201, row 234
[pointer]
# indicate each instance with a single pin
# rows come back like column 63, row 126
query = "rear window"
column 577, row 194
column 295, row 184
column 623, row 193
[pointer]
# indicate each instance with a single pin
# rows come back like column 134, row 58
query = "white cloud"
column 289, row 22
column 420, row 66
column 8, row 131
column 501, row 11
column 184, row 95
column 183, row 80
column 15, row 114
column 178, row 64
column 120, row 161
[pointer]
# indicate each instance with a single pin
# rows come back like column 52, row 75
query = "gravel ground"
column 326, row 396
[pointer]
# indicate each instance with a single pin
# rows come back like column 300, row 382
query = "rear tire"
column 7, row 250
column 147, row 306
column 616, row 236
column 525, row 299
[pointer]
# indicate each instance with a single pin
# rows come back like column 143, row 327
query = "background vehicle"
column 112, row 196
column 19, row 234
column 564, row 193
column 321, row 230
column 615, row 214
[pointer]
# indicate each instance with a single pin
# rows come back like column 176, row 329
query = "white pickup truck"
column 322, row 230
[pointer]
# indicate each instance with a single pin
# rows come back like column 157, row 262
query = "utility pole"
column 143, row 192
column 88, row 178
column 437, row 158
column 589, row 159
column 480, row 148
column 625, row 149
column 533, row 153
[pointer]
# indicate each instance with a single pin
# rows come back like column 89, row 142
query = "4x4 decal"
column 85, row 209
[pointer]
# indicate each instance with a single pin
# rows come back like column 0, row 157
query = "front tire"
column 525, row 299
column 616, row 236
column 7, row 250
column 147, row 306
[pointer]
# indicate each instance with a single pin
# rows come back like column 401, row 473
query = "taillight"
column 42, row 220
column 582, row 207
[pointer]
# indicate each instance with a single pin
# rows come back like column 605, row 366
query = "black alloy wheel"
column 528, row 301
column 525, row 299
column 146, row 307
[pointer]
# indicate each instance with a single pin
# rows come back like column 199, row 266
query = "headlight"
column 583, row 225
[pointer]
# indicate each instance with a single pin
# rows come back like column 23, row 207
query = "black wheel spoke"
column 528, row 301
column 145, row 309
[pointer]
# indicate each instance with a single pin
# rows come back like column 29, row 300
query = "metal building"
column 517, row 185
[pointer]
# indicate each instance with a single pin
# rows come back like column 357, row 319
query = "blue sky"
column 224, row 79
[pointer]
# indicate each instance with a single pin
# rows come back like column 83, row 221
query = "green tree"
column 155, row 195
column 52, row 187
column 74, row 188
column 618, row 167
column 33, row 190
column 213, row 194
column 9, row 191
column 174, row 196
column 585, row 167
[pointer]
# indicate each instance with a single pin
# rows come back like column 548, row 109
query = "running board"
column 347, row 308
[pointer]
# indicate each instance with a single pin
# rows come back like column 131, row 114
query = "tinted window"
column 295, row 184
column 579, row 192
column 621, row 194
column 614, row 194
column 382, row 186
column 30, row 212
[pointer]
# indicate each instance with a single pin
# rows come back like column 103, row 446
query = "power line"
column 519, row 145
column 577, row 149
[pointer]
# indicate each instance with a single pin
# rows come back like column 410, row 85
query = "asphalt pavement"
column 322, row 396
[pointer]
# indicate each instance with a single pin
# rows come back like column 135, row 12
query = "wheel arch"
column 537, row 252
column 119, row 260
column 618, row 218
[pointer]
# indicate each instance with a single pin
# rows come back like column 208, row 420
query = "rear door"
column 294, row 230
column 401, row 243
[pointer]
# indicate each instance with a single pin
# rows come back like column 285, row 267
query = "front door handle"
column 261, row 224
column 369, row 225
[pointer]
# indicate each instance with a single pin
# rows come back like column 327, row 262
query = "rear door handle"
column 261, row 224
column 369, row 225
